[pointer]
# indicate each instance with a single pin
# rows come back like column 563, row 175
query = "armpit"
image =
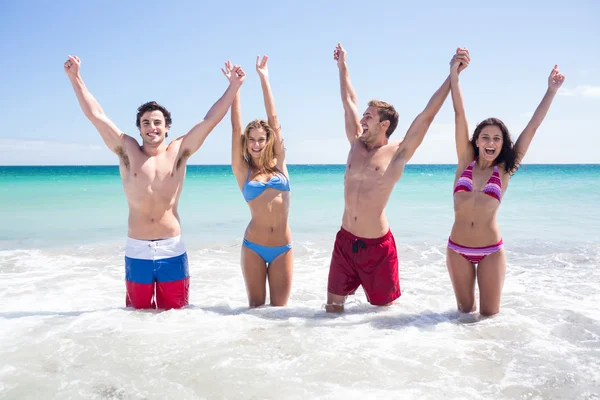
column 120, row 151
column 184, row 156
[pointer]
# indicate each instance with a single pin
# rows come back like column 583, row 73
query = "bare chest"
column 153, row 176
column 368, row 169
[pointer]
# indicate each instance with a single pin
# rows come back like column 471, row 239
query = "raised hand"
column 72, row 66
column 261, row 66
column 339, row 54
column 227, row 71
column 460, row 60
column 237, row 76
column 234, row 73
column 556, row 79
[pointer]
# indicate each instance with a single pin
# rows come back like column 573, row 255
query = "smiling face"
column 256, row 142
column 153, row 128
column 258, row 145
column 371, row 125
column 154, row 122
column 490, row 142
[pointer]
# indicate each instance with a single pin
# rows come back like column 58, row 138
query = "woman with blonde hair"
column 258, row 163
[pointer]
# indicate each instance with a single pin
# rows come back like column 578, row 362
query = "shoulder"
column 464, row 162
column 395, row 148
column 504, row 174
column 395, row 144
column 129, row 143
column 175, row 144
column 354, row 144
column 502, row 169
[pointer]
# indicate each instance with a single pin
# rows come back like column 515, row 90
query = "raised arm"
column 464, row 150
column 555, row 81
column 263, row 73
column 192, row 140
column 238, row 165
column 111, row 135
column 417, row 130
column 349, row 100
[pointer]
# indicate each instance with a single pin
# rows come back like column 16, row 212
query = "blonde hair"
column 266, row 162
column 386, row 112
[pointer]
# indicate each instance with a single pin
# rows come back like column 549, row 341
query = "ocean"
column 65, row 333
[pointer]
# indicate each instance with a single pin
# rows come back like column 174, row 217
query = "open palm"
column 261, row 66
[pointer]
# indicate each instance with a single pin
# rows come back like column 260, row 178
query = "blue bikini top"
column 253, row 189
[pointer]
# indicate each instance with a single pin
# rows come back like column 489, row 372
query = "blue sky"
column 136, row 51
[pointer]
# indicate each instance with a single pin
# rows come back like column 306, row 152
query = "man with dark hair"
column 364, row 252
column 156, row 266
column 153, row 106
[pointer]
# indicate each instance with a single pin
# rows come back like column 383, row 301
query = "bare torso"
column 152, row 185
column 269, row 224
column 475, row 212
column 368, row 182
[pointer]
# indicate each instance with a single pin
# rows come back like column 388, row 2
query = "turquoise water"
column 54, row 206
column 64, row 331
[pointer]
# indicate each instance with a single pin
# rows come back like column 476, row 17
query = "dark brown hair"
column 508, row 154
column 153, row 106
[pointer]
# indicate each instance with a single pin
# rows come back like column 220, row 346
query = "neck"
column 484, row 164
column 376, row 142
column 152, row 151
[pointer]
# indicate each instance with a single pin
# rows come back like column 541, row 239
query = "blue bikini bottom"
column 268, row 254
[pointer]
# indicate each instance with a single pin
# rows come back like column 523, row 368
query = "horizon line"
column 228, row 164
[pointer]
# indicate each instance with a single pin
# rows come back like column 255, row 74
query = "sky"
column 137, row 51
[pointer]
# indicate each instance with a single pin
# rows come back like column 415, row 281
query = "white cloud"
column 581, row 90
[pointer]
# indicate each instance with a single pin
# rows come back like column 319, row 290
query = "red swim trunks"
column 372, row 263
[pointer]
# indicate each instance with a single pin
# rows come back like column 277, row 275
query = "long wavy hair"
column 266, row 162
column 508, row 154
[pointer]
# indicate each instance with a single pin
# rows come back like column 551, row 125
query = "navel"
column 376, row 168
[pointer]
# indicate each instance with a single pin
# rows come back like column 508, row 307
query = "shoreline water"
column 64, row 331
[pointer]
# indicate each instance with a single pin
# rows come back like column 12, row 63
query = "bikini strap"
column 249, row 170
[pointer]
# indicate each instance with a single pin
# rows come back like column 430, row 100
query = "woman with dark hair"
column 258, row 163
column 485, row 165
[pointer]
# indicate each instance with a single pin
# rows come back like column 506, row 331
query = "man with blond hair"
column 364, row 252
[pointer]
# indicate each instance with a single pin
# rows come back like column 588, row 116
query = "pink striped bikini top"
column 492, row 188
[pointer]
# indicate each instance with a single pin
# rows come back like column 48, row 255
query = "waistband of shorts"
column 154, row 249
column 353, row 237
column 158, row 242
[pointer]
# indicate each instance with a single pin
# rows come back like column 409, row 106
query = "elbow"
column 209, row 123
column 427, row 117
column 94, row 115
